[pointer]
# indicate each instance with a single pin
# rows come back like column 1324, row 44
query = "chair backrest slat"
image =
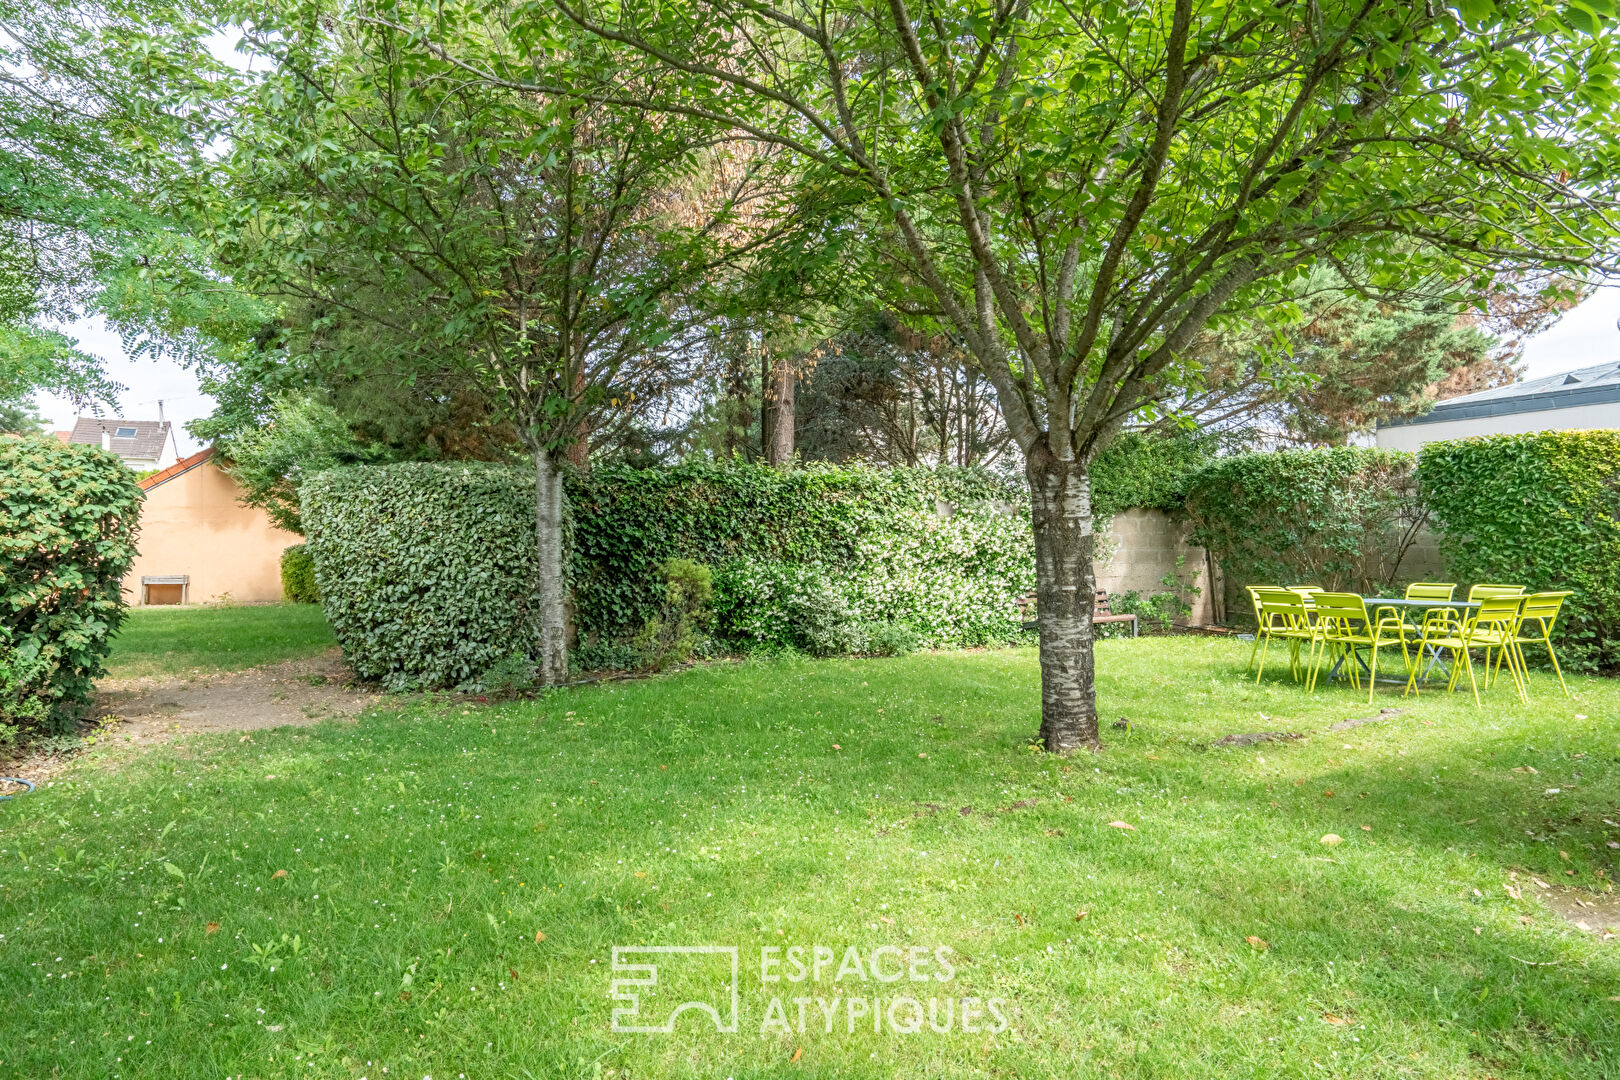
column 1481, row 592
column 1544, row 606
column 1430, row 590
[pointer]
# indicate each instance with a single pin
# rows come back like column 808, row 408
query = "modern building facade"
column 1572, row 400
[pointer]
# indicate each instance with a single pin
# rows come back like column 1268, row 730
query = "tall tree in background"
column 101, row 106
column 1086, row 189
column 531, row 239
column 1345, row 361
column 884, row 392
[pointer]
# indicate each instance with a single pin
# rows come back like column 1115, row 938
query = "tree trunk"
column 1065, row 585
column 552, row 658
column 780, row 449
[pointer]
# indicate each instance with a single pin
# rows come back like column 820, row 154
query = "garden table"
column 1376, row 602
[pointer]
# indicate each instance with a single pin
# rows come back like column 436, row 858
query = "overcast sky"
column 1586, row 336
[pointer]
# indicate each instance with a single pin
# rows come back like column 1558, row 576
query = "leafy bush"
column 425, row 570
column 1147, row 472
column 890, row 639
column 68, row 520
column 298, row 576
column 1539, row 510
column 1342, row 518
column 675, row 634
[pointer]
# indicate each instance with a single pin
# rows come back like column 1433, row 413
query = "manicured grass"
column 858, row 803
column 183, row 640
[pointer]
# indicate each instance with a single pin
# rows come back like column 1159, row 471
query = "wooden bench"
column 1099, row 612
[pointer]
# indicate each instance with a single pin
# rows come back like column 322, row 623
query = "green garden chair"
column 1540, row 609
column 1343, row 625
column 1480, row 592
column 1286, row 617
column 1260, row 621
column 1429, row 590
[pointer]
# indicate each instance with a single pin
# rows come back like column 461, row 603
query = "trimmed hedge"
column 1539, row 510
column 68, row 520
column 1341, row 517
column 298, row 576
column 425, row 570
column 942, row 552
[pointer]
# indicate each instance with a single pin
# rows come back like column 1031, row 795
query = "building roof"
column 1597, row 385
column 183, row 465
column 144, row 438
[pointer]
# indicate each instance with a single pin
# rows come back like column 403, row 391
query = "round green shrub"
column 68, row 521
column 298, row 576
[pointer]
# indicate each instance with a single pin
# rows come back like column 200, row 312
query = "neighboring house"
column 142, row 444
column 199, row 544
column 1571, row 400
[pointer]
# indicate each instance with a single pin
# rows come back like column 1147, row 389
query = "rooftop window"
column 124, row 433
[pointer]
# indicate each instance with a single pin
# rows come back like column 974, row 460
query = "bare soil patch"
column 142, row 711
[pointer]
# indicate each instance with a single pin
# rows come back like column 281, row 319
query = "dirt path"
column 306, row 691
column 139, row 712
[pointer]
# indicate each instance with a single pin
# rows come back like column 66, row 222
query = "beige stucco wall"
column 1141, row 547
column 192, row 524
column 1580, row 417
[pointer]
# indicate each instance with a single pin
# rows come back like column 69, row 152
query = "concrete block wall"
column 1141, row 547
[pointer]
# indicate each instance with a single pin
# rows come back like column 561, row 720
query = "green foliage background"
column 68, row 519
column 1539, row 510
column 1338, row 517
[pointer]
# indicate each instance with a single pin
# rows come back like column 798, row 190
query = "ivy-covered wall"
column 1540, row 510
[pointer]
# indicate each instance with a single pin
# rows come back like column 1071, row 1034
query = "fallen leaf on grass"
column 1257, row 942
column 1328, row 794
column 212, row 928
column 1336, row 1021
column 797, row 1051
column 539, row 936
column 278, row 874
column 1366, row 828
column 1513, row 891
column 1527, row 770
column 1081, row 914
column 1332, row 839
column 1121, row 825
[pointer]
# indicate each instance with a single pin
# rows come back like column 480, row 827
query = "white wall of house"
column 1578, row 417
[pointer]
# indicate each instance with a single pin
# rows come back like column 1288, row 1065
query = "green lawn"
column 840, row 803
column 183, row 640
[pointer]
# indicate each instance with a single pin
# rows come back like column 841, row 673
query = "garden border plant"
column 69, row 515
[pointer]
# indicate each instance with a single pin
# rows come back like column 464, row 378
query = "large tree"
column 1086, row 189
column 536, row 241
column 100, row 105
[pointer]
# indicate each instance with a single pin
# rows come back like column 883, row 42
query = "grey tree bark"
column 552, row 652
column 1065, row 592
column 783, row 380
